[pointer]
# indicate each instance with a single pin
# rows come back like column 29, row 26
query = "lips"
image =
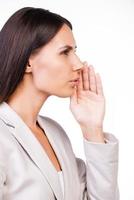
column 75, row 80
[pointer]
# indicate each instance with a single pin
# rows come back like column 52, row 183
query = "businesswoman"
column 38, row 59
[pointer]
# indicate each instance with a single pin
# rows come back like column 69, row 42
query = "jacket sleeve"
column 98, row 176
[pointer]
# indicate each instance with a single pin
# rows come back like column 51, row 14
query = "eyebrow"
column 69, row 47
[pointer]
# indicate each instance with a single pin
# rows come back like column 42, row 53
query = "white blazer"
column 26, row 172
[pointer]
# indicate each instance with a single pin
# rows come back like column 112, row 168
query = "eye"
column 66, row 52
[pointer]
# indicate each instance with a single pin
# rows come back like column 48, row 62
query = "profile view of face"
column 56, row 64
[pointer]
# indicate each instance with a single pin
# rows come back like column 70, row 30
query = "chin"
column 66, row 93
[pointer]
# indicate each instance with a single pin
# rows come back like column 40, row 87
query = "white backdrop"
column 104, row 32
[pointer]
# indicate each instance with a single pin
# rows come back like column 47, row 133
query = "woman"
column 38, row 59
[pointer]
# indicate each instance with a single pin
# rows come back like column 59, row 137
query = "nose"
column 77, row 64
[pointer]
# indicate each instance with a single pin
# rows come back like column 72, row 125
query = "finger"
column 92, row 79
column 80, row 85
column 86, row 78
column 99, row 86
column 74, row 96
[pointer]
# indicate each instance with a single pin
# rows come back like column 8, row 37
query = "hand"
column 87, row 104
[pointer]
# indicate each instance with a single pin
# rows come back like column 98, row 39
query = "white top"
column 61, row 181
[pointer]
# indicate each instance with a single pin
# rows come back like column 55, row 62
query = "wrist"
column 94, row 133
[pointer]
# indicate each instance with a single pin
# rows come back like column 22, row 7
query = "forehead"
column 63, row 37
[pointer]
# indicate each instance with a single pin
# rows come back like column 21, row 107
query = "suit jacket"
column 26, row 172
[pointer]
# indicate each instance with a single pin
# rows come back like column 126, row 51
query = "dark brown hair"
column 26, row 30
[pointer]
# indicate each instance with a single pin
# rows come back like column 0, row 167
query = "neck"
column 27, row 102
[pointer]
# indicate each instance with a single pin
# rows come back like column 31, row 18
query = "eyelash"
column 66, row 52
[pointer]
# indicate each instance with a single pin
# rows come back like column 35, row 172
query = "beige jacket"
column 26, row 173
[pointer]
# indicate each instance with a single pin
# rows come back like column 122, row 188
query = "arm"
column 101, row 150
column 102, row 169
column 98, row 176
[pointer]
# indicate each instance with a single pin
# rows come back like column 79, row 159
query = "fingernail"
column 91, row 67
column 85, row 63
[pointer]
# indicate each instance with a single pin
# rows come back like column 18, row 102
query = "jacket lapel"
column 67, row 159
column 27, row 140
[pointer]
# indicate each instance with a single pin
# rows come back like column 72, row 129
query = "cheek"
column 41, row 78
column 47, row 78
column 52, row 77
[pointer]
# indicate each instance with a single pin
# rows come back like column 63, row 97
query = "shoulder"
column 3, row 129
column 51, row 123
column 7, row 141
column 54, row 125
column 56, row 128
column 6, row 144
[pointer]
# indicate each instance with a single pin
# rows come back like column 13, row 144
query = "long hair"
column 26, row 31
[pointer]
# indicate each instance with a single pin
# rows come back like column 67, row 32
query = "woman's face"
column 56, row 64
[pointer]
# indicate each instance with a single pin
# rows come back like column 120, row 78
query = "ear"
column 28, row 68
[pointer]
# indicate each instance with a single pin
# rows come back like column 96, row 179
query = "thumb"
column 73, row 98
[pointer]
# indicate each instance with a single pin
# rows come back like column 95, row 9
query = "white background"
column 104, row 32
